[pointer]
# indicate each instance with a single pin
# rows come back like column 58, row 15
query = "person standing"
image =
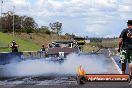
column 125, row 47
column 14, row 46
column 43, row 48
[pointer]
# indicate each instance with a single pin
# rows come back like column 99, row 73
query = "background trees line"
column 21, row 23
column 26, row 24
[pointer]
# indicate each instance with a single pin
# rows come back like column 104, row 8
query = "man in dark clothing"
column 43, row 48
column 14, row 46
column 125, row 47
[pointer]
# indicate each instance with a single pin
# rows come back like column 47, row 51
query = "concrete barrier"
column 9, row 57
column 6, row 57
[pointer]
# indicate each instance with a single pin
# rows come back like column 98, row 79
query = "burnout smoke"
column 41, row 67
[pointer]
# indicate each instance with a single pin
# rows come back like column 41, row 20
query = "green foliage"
column 29, row 23
column 29, row 31
column 4, row 30
column 70, row 35
column 20, row 22
column 47, row 32
column 20, row 30
column 44, row 30
column 95, row 39
column 56, row 27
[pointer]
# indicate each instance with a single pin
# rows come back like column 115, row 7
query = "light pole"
column 1, row 16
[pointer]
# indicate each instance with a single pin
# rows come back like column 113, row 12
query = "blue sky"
column 100, row 18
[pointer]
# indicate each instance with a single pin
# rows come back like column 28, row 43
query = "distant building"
column 87, row 41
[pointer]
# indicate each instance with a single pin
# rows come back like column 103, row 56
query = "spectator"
column 125, row 47
column 14, row 46
column 43, row 48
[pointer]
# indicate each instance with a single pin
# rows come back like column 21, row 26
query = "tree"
column 70, row 35
column 44, row 29
column 7, row 20
column 20, row 22
column 56, row 27
column 29, row 23
column 17, row 21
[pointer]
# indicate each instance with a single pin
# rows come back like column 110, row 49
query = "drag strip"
column 99, row 63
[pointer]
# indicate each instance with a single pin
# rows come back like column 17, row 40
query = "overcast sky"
column 100, row 18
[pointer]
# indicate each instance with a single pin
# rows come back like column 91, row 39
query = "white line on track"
column 117, row 67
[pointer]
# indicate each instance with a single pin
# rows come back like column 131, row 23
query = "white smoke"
column 41, row 67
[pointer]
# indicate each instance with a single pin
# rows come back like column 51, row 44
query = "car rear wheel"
column 81, row 80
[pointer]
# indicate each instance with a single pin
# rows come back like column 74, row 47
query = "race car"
column 62, row 48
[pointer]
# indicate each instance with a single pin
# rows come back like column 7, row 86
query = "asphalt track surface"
column 73, row 83
column 87, row 85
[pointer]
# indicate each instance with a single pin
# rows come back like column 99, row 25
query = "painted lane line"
column 117, row 67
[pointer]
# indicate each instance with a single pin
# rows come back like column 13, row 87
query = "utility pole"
column 13, row 23
column 1, row 17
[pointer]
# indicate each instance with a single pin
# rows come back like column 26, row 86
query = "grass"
column 6, row 39
column 28, row 42
column 33, row 42
column 95, row 46
column 39, row 38
column 90, row 47
column 108, row 43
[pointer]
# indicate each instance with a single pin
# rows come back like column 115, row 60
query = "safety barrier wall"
column 6, row 58
column 9, row 57
column 33, row 54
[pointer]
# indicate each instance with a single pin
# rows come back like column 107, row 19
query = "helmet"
column 13, row 42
